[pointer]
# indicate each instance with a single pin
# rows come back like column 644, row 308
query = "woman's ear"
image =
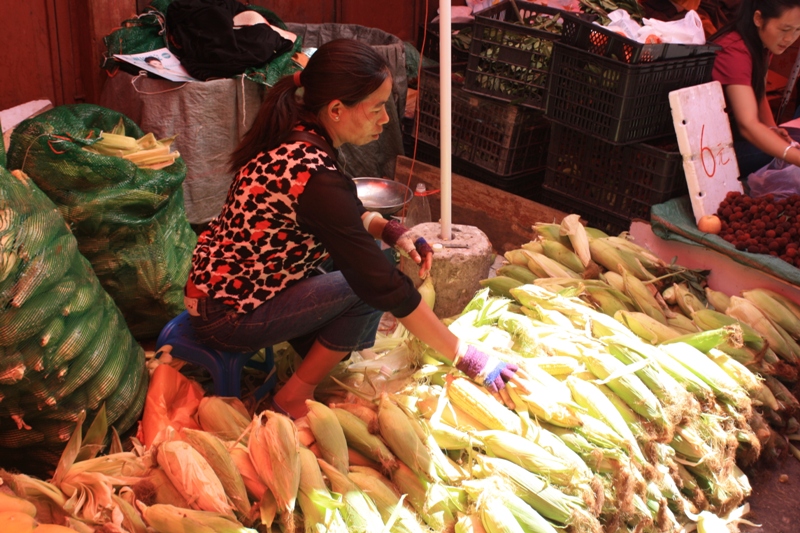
column 758, row 20
column 334, row 110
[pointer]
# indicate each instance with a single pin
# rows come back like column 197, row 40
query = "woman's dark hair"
column 770, row 9
column 343, row 69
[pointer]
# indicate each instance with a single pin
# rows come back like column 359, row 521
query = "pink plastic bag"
column 779, row 178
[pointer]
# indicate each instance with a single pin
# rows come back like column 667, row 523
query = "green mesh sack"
column 64, row 345
column 135, row 36
column 130, row 222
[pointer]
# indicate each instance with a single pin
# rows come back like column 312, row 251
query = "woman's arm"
column 755, row 121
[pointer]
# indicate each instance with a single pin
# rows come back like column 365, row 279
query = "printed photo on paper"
column 160, row 62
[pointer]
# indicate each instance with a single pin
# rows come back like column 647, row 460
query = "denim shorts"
column 322, row 308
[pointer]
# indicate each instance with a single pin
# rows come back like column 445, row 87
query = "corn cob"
column 627, row 385
column 782, row 394
column 686, row 300
column 479, row 404
column 599, row 406
column 544, row 267
column 500, row 285
column 518, row 258
column 531, row 456
column 744, row 311
column 518, row 272
column 682, row 324
column 360, row 512
column 709, row 319
column 11, row 502
column 275, row 453
column 252, row 481
column 609, row 301
column 616, row 260
column 387, row 502
column 329, row 435
column 225, row 418
column 718, row 300
column 193, row 477
column 320, row 508
column 163, row 517
column 399, row 433
column 533, row 489
column 698, row 363
column 469, row 524
column 646, row 327
column 432, row 501
column 642, row 298
column 774, row 310
column 214, row 452
column 550, row 232
column 16, row 522
column 614, row 280
column 746, row 379
column 563, row 255
column 572, row 228
column 359, row 437
column 497, row 518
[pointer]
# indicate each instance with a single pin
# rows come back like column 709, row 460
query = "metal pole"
column 445, row 114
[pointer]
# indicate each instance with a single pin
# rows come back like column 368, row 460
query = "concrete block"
column 457, row 267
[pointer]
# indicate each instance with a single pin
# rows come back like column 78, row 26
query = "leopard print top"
column 255, row 247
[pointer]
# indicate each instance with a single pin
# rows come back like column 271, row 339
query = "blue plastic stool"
column 225, row 367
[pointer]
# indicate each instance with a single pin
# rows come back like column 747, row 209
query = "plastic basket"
column 609, row 222
column 510, row 61
column 501, row 138
column 431, row 41
column 618, row 102
column 524, row 184
column 601, row 41
column 621, row 180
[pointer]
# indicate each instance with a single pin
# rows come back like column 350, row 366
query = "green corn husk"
column 698, row 363
column 719, row 300
column 432, row 501
column 712, row 338
column 599, row 406
column 560, row 253
column 627, row 385
column 707, row 319
column 518, row 272
column 387, row 502
column 359, row 438
column 163, row 517
column 646, row 327
column 609, row 300
column 774, row 310
column 642, row 298
column 532, row 489
column 359, row 511
column 214, row 451
column 501, row 285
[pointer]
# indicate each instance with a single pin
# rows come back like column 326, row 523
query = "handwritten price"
column 706, row 152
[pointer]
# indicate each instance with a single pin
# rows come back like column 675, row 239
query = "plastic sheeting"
column 210, row 117
column 674, row 220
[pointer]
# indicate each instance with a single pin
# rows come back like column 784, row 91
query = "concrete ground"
column 775, row 502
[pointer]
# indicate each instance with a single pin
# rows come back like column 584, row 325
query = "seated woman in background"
column 762, row 29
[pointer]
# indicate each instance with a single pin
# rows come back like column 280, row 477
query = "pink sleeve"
column 733, row 65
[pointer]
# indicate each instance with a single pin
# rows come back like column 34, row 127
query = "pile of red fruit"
column 762, row 225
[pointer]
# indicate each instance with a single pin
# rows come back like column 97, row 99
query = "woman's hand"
column 783, row 134
column 488, row 371
column 399, row 237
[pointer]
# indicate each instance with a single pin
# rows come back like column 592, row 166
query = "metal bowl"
column 387, row 197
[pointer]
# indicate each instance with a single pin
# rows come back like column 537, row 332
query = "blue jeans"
column 322, row 308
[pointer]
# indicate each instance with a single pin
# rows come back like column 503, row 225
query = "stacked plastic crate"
column 500, row 136
column 613, row 152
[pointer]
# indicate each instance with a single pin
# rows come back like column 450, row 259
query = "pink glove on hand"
column 491, row 372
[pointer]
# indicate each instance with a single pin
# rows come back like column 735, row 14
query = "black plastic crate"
column 588, row 36
column 509, row 60
column 609, row 222
column 524, row 184
column 622, row 180
column 501, row 138
column 618, row 102
column 459, row 48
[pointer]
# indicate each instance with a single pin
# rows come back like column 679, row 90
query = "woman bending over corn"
column 254, row 280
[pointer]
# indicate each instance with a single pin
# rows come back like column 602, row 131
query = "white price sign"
column 706, row 143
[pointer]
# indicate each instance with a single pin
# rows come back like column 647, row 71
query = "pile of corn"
column 144, row 152
column 664, row 303
column 604, row 431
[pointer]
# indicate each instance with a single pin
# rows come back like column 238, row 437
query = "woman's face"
column 778, row 34
column 362, row 123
